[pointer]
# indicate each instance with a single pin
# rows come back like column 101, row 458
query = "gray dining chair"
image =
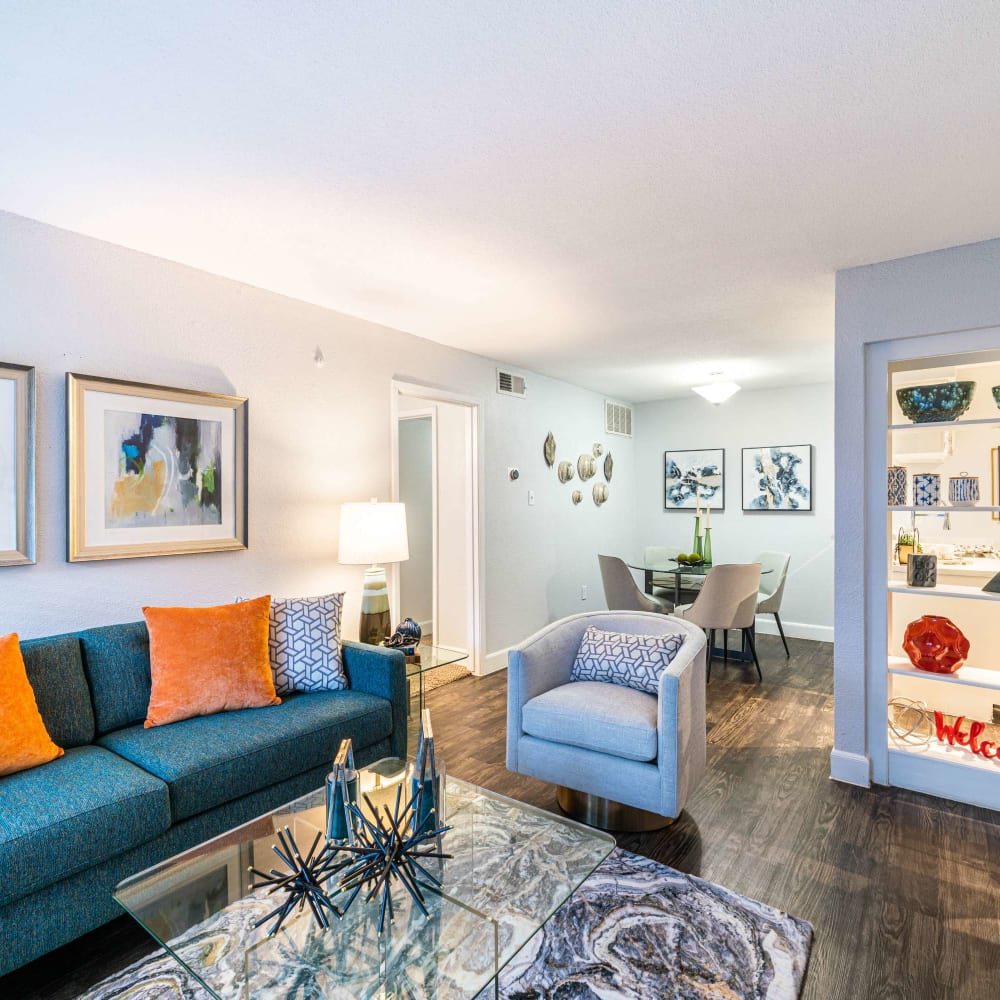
column 728, row 600
column 622, row 593
column 772, row 588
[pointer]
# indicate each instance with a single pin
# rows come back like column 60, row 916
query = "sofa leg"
column 781, row 632
column 607, row 815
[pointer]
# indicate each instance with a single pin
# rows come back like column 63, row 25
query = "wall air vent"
column 617, row 418
column 509, row 384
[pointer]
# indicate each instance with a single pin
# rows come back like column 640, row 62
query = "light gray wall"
column 318, row 437
column 938, row 293
column 416, row 490
column 801, row 415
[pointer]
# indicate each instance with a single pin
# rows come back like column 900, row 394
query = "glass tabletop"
column 512, row 866
column 430, row 657
column 671, row 566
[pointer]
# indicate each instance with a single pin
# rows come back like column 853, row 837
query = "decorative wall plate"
column 600, row 493
column 549, row 450
column 609, row 465
column 586, row 465
column 598, row 449
column 577, row 497
column 566, row 472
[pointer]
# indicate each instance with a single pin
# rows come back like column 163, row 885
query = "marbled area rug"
column 635, row 930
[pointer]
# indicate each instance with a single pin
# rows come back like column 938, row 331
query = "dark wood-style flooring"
column 903, row 889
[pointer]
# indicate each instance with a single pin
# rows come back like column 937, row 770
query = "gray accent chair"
column 728, row 600
column 622, row 593
column 643, row 750
column 772, row 588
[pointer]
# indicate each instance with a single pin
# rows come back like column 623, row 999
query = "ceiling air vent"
column 509, row 384
column 617, row 418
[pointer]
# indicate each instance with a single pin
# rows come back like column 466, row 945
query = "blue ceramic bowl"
column 925, row 404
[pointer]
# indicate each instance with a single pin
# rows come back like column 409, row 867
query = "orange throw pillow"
column 24, row 740
column 208, row 660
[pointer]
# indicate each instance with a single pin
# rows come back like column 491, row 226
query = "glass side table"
column 429, row 658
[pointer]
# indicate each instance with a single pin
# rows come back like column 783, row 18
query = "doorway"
column 436, row 474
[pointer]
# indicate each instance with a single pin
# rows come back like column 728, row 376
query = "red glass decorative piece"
column 936, row 644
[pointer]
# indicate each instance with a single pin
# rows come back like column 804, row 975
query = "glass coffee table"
column 513, row 866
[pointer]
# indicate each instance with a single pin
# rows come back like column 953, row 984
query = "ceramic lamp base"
column 375, row 621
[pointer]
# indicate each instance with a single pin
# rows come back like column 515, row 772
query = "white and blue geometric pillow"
column 634, row 661
column 304, row 644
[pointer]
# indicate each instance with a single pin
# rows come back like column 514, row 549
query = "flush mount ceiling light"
column 716, row 392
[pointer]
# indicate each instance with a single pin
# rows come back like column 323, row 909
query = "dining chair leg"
column 781, row 632
column 748, row 635
column 725, row 646
column 711, row 646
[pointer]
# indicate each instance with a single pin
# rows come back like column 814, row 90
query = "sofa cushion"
column 72, row 813
column 208, row 660
column 304, row 643
column 55, row 670
column 116, row 662
column 603, row 717
column 213, row 759
column 24, row 740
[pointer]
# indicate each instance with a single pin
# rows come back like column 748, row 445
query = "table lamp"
column 370, row 534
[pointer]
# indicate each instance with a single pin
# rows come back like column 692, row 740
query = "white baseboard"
column 795, row 630
column 494, row 662
column 852, row 768
column 427, row 627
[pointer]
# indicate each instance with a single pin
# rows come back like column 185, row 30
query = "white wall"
column 318, row 437
column 416, row 490
column 944, row 297
column 802, row 415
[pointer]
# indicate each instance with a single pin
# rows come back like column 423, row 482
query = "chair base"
column 607, row 815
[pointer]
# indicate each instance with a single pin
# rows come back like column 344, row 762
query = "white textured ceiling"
column 626, row 195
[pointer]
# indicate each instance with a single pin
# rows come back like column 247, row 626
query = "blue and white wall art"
column 694, row 478
column 778, row 477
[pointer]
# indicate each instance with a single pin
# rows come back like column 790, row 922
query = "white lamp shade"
column 372, row 533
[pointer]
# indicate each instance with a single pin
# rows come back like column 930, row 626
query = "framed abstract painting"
column 778, row 477
column 694, row 478
column 154, row 471
column 17, row 465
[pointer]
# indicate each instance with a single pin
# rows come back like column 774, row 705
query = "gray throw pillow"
column 304, row 644
column 634, row 661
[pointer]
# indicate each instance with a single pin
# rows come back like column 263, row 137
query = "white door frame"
column 421, row 414
column 402, row 386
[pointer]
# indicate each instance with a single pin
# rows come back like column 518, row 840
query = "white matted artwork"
column 154, row 470
column 17, row 465
column 695, row 478
column 778, row 477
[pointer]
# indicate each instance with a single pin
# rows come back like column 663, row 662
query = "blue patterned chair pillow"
column 634, row 661
column 304, row 643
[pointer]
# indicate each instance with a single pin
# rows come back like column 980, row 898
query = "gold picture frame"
column 17, row 465
column 153, row 470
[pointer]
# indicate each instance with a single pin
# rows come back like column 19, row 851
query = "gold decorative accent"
column 549, row 450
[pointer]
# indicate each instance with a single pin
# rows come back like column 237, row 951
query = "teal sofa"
column 123, row 797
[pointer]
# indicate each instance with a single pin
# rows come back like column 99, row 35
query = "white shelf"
column 946, row 424
column 961, row 757
column 941, row 509
column 977, row 677
column 951, row 590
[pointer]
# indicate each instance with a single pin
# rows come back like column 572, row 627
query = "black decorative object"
column 406, row 637
column 921, row 570
column 385, row 849
column 303, row 882
column 993, row 585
